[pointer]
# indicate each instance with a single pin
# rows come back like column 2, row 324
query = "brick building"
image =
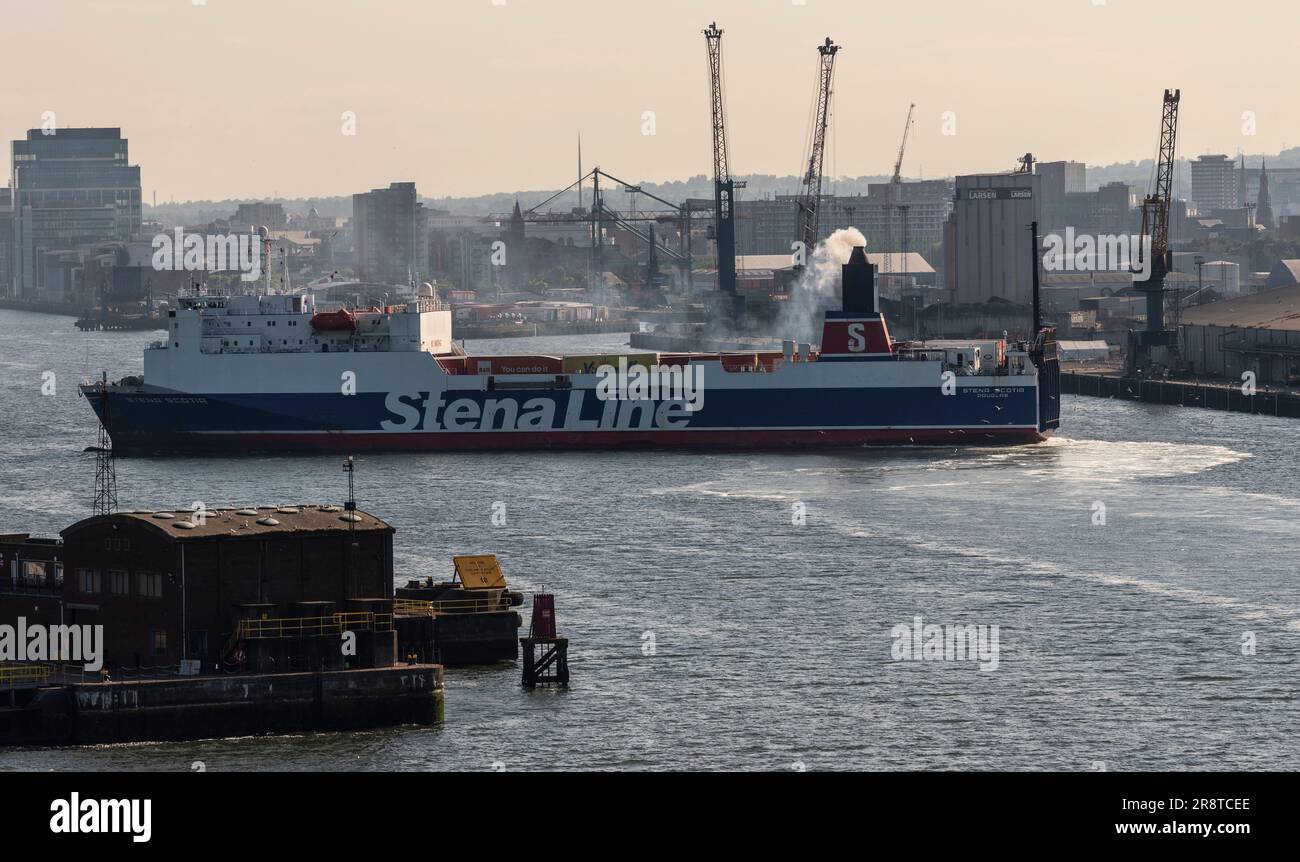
column 167, row 588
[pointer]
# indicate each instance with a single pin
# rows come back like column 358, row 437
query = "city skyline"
column 518, row 102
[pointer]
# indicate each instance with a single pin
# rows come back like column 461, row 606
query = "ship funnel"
column 859, row 280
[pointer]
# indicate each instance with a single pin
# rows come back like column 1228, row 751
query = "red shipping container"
column 453, row 365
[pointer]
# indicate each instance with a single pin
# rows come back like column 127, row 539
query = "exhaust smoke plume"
column 818, row 288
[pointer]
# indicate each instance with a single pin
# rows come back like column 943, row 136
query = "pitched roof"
column 1269, row 309
column 262, row 520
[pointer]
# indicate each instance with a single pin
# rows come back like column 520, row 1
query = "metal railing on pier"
column 297, row 627
column 24, row 674
column 423, row 607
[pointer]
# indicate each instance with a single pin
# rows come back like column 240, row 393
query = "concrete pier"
column 1185, row 393
column 181, row 708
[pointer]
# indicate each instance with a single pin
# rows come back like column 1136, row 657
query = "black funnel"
column 859, row 279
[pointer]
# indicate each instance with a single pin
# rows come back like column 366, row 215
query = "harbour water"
column 734, row 611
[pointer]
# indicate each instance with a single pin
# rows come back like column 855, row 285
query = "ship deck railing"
column 959, row 370
column 432, row 608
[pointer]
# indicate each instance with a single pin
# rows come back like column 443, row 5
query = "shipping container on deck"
column 514, row 365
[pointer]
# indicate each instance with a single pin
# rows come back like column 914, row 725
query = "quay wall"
column 1186, row 393
column 206, row 707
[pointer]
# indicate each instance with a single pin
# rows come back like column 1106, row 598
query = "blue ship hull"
column 160, row 422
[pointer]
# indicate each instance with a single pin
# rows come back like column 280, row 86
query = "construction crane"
column 724, row 219
column 810, row 199
column 1155, row 224
column 895, row 191
column 898, row 162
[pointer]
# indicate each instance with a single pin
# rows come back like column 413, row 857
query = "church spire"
column 1263, row 206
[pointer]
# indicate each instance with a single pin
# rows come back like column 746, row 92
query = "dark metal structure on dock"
column 467, row 620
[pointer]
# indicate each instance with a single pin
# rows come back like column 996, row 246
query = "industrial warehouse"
column 1258, row 333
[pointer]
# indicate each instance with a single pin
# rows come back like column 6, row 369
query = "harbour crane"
column 724, row 187
column 895, row 192
column 1155, row 225
column 810, row 199
column 681, row 216
column 898, row 162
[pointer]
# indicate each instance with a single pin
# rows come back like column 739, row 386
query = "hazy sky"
column 244, row 98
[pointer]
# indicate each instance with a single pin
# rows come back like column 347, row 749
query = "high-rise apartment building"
column 390, row 229
column 1214, row 184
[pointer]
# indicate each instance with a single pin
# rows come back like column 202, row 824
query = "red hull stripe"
column 727, row 439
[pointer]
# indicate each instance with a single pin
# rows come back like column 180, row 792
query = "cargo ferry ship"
column 271, row 373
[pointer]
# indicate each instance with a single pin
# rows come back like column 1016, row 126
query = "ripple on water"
column 713, row 630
